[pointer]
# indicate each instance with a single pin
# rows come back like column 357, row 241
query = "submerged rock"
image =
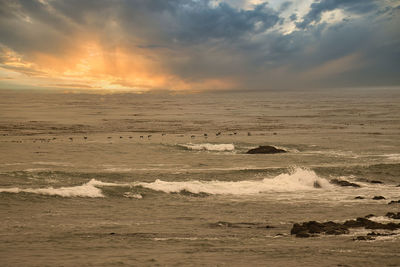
column 266, row 150
column 393, row 215
column 368, row 224
column 303, row 234
column 306, row 229
column 380, row 234
column 313, row 228
column 185, row 192
column 359, row 197
column 343, row 183
column 378, row 197
column 369, row 181
column 372, row 236
column 394, row 202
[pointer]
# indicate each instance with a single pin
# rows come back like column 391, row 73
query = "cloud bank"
column 199, row 45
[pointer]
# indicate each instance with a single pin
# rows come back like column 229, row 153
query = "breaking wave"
column 298, row 180
column 89, row 189
column 209, row 147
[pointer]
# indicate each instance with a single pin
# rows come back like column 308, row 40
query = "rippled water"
column 157, row 179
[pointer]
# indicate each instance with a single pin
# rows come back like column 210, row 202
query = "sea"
column 164, row 178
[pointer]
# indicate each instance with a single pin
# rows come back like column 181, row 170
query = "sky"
column 194, row 45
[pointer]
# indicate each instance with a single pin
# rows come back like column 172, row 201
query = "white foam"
column 383, row 219
column 132, row 195
column 209, row 147
column 95, row 182
column 394, row 157
column 298, row 180
column 89, row 189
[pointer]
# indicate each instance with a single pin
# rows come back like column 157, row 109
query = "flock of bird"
column 71, row 139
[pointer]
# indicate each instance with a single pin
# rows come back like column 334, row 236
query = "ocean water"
column 164, row 179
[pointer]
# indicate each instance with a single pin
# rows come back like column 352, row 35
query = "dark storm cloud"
column 285, row 5
column 293, row 17
column 198, row 40
column 353, row 6
column 224, row 22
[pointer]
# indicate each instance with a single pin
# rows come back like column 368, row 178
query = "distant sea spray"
column 209, row 147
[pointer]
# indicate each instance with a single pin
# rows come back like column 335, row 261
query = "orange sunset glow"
column 197, row 45
column 94, row 67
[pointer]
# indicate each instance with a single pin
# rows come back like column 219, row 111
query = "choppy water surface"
column 156, row 179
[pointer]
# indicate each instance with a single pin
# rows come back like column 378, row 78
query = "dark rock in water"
column 190, row 194
column 266, row 150
column 241, row 225
column 359, row 197
column 297, row 228
column 368, row 224
column 369, row 181
column 303, row 234
column 393, row 215
column 313, row 227
column 378, row 197
column 394, row 202
column 380, row 234
column 343, row 183
column 364, row 238
column 317, row 185
column 359, row 222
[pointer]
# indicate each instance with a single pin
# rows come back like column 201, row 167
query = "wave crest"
column 209, row 147
column 88, row 189
column 298, row 180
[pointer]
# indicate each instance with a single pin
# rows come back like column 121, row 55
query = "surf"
column 208, row 147
column 297, row 180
